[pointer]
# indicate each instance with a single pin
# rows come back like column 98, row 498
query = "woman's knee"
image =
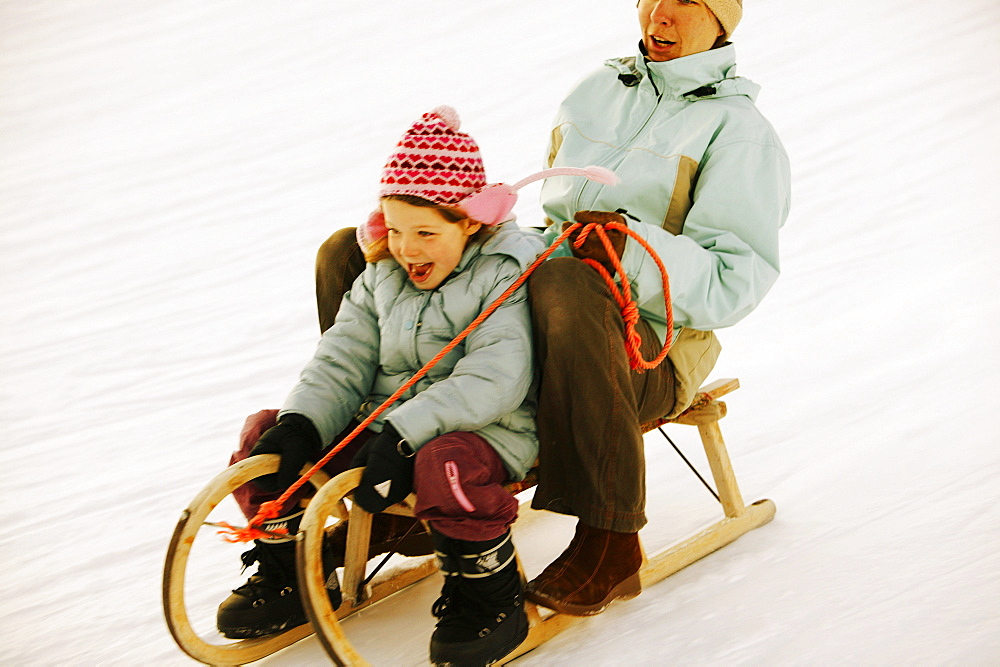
column 565, row 294
column 564, row 280
column 337, row 250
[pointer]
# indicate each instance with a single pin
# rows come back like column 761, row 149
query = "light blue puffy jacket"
column 387, row 329
column 704, row 173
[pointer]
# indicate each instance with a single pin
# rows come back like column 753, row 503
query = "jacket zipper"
column 610, row 158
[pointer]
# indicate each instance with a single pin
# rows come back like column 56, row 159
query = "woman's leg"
column 338, row 263
column 591, row 403
column 591, row 459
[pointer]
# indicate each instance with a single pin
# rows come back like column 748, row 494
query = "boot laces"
column 443, row 605
column 457, row 607
column 273, row 576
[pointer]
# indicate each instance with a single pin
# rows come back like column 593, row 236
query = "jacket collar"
column 508, row 240
column 707, row 74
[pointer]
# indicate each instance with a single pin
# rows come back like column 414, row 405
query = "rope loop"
column 623, row 294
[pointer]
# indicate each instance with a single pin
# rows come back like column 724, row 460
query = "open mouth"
column 420, row 272
column 662, row 43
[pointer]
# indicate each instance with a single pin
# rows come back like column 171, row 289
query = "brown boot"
column 598, row 567
column 390, row 532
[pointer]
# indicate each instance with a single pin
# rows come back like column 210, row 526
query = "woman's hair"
column 379, row 249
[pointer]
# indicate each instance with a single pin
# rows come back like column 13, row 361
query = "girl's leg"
column 250, row 496
column 459, row 480
column 269, row 602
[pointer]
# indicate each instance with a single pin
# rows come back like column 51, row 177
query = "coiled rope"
column 623, row 296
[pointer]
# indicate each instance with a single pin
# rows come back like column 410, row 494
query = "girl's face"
column 424, row 242
column 676, row 28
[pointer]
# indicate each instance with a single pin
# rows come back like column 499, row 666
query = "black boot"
column 269, row 601
column 481, row 615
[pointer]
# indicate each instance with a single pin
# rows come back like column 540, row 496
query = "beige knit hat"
column 729, row 13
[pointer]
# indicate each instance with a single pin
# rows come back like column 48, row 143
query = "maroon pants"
column 457, row 476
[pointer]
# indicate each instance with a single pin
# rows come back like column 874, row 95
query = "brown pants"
column 591, row 404
column 338, row 263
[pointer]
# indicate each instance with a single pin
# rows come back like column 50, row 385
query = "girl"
column 440, row 249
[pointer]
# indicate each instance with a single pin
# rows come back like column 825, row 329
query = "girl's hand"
column 388, row 477
column 295, row 438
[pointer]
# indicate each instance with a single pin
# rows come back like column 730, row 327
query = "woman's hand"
column 295, row 438
column 593, row 248
column 388, row 477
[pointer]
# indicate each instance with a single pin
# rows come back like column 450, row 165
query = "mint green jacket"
column 705, row 175
column 387, row 329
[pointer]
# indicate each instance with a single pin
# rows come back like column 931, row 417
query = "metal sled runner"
column 332, row 503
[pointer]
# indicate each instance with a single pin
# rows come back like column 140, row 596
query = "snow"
column 168, row 169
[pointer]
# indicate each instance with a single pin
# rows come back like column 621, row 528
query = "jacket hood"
column 705, row 75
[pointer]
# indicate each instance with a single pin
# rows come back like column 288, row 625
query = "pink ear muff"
column 374, row 228
column 492, row 204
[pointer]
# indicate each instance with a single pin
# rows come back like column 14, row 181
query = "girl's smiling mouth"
column 420, row 272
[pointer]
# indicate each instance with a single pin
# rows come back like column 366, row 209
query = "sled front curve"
column 192, row 518
column 329, row 501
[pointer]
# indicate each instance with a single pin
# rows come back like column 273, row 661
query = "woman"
column 705, row 180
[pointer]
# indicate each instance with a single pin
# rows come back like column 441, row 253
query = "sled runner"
column 331, row 504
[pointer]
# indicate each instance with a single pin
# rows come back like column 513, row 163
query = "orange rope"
column 272, row 508
column 623, row 295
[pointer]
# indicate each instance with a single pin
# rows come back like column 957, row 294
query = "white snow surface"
column 168, row 170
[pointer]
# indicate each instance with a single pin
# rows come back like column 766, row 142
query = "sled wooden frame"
column 705, row 413
column 192, row 520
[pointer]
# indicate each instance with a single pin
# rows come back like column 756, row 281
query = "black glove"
column 388, row 475
column 296, row 440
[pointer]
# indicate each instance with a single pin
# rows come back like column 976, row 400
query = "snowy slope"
column 168, row 169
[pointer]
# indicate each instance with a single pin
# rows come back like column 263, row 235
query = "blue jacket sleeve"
column 340, row 375
column 726, row 259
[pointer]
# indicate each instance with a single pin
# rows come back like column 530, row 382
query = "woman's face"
column 676, row 28
column 424, row 242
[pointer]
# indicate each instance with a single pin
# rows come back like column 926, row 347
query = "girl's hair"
column 379, row 249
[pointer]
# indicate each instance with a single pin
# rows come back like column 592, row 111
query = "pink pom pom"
column 449, row 116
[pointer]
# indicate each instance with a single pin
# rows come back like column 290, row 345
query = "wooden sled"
column 738, row 519
column 329, row 505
